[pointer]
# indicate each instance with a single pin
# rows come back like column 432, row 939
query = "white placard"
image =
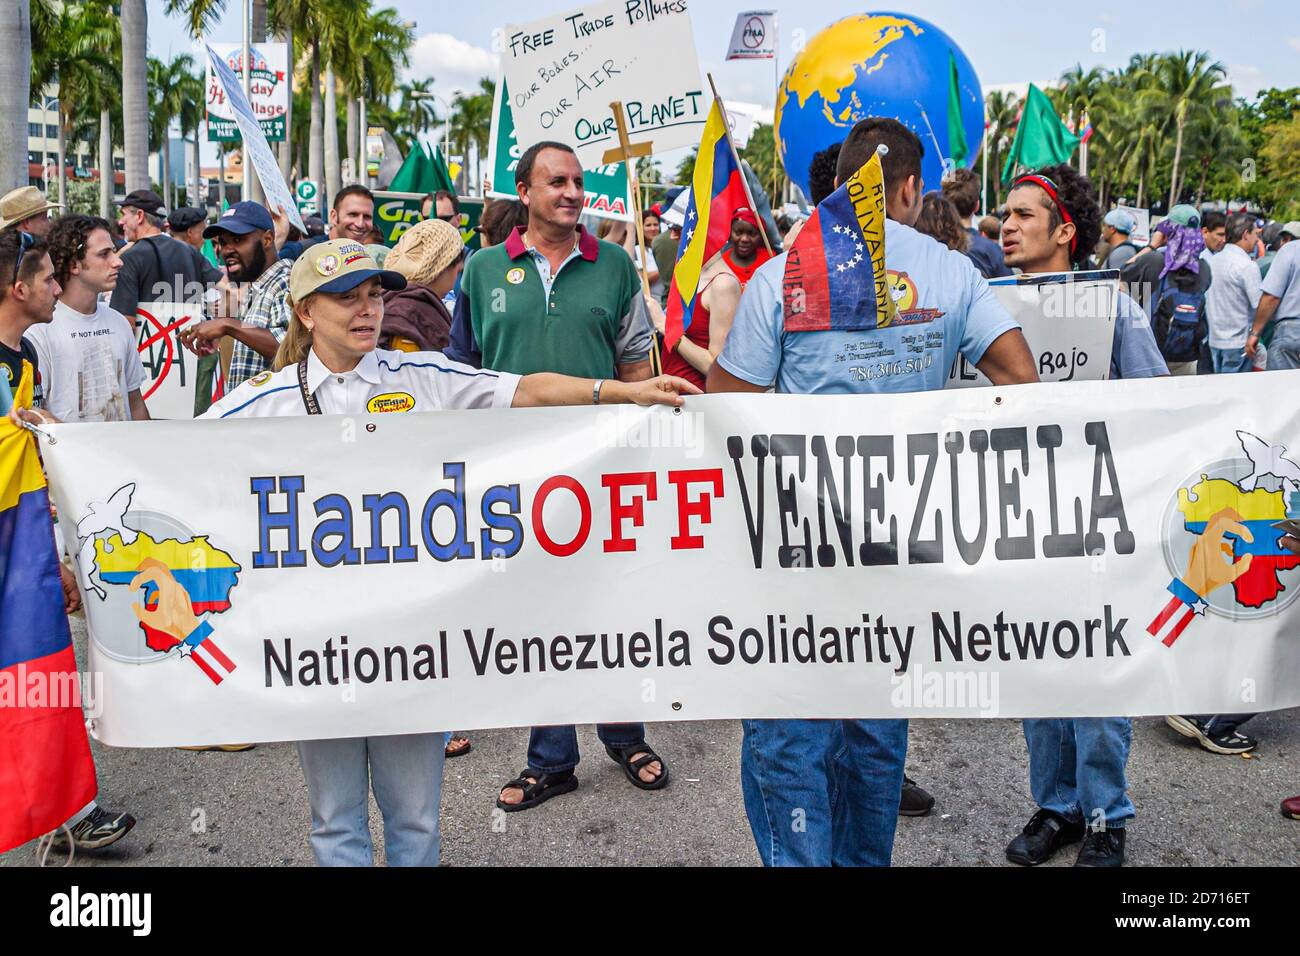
column 1040, row 550
column 256, row 148
column 169, row 368
column 1068, row 320
column 754, row 36
column 566, row 69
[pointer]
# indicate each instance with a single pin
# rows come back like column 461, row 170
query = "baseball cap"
column 146, row 200
column 1185, row 215
column 337, row 266
column 1292, row 229
column 241, row 219
column 187, row 217
column 1121, row 221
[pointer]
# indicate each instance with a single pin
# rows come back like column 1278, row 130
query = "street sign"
column 308, row 196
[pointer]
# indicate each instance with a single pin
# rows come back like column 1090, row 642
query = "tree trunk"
column 1142, row 183
column 107, row 174
column 62, row 142
column 135, row 98
column 332, row 185
column 353, row 113
column 286, row 146
column 1178, row 158
column 257, row 22
column 316, row 142
column 15, row 91
column 165, row 172
column 1200, row 187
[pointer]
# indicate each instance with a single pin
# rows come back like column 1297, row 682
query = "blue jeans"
column 1231, row 360
column 1076, row 767
column 1284, row 348
column 405, row 771
column 555, row 749
column 823, row 792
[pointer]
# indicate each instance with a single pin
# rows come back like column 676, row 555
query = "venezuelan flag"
column 46, row 772
column 835, row 272
column 719, row 181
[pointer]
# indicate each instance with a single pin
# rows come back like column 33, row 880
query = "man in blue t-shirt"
column 1076, row 765
column 844, row 778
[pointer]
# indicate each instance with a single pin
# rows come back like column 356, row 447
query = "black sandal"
column 538, row 788
column 623, row 757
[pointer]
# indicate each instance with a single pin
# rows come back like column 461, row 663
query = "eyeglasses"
column 25, row 241
column 451, row 217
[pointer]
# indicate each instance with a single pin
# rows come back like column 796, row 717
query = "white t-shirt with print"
column 89, row 364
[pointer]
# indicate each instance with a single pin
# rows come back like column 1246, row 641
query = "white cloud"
column 1246, row 79
column 453, row 63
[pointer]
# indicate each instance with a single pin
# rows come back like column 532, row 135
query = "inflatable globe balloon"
column 877, row 64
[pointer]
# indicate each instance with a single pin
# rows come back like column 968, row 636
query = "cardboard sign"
column 608, row 193
column 1068, row 320
column 565, row 70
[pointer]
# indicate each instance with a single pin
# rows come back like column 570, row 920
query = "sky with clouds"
column 1257, row 40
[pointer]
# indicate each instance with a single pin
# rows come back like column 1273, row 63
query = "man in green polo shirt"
column 554, row 298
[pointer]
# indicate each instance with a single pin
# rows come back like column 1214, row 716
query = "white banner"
column 1037, row 550
column 754, row 36
column 256, row 149
column 565, row 70
column 169, row 368
column 1068, row 320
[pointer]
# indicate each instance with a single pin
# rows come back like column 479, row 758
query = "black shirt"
column 161, row 269
column 11, row 367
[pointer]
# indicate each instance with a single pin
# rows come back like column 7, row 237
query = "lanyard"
column 308, row 399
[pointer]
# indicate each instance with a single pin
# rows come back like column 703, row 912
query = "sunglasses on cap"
column 25, row 241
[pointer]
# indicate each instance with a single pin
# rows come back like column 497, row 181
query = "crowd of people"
column 545, row 312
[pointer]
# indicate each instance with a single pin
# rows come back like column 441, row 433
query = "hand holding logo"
column 1206, row 568
column 172, row 613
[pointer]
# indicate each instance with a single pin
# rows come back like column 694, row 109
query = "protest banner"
column 565, row 70
column 256, row 148
column 754, row 36
column 1068, row 320
column 396, row 212
column 268, row 90
column 169, row 368
column 1034, row 550
column 607, row 192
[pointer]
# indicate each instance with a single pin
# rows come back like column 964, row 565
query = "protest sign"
column 754, row 36
column 169, row 368
column 1142, row 234
column 256, row 148
column 268, row 90
column 565, row 70
column 1068, row 320
column 1037, row 550
column 606, row 189
column 396, row 212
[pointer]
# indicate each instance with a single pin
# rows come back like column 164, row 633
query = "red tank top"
column 697, row 332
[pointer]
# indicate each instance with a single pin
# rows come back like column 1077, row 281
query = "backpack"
column 1179, row 322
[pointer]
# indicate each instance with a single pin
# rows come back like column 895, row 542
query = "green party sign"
column 606, row 187
column 397, row 212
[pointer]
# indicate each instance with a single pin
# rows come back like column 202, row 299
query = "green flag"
column 1041, row 138
column 958, row 148
column 422, row 173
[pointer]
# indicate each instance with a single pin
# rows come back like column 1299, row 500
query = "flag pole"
column 726, row 131
column 776, row 98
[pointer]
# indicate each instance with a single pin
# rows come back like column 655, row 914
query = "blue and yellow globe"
column 877, row 64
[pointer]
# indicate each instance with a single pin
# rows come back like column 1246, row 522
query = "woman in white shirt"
column 328, row 364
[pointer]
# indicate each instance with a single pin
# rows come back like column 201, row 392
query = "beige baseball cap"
column 23, row 203
column 1292, row 229
column 337, row 266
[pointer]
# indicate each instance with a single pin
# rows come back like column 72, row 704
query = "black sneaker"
column 915, row 801
column 1102, row 848
column 1217, row 742
column 97, row 830
column 1044, row 834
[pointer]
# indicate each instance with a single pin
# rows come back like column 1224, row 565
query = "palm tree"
column 168, row 89
column 1002, row 109
column 416, row 106
column 471, row 121
column 191, row 94
column 135, row 95
column 1188, row 86
column 21, row 33
column 368, row 53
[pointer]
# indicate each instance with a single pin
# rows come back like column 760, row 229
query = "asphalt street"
column 250, row 809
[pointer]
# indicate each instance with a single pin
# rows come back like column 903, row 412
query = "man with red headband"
column 1076, row 766
column 747, row 251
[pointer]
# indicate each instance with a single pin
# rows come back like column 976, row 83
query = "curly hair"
column 939, row 219
column 67, row 241
column 821, row 173
column 1077, row 195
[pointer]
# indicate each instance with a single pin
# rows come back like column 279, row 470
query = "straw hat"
column 425, row 250
column 23, row 203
